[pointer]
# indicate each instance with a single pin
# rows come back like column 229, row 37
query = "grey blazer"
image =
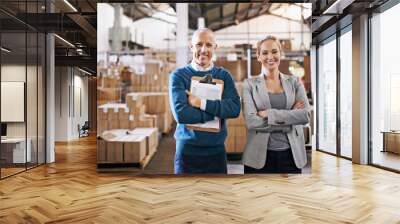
column 255, row 98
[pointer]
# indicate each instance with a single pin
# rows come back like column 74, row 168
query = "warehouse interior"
column 130, row 70
column 76, row 73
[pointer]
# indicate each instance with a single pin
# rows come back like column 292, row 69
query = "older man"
column 198, row 151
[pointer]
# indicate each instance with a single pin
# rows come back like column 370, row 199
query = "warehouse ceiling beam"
column 288, row 18
column 259, row 9
column 235, row 13
column 248, row 11
column 233, row 19
column 231, row 15
column 221, row 13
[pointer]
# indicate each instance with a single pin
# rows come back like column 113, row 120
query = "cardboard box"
column 240, row 132
column 240, row 144
column 123, row 114
column 151, row 135
column 134, row 148
column 108, row 94
column 132, row 124
column 152, row 68
column 138, row 111
column 239, row 89
column 101, row 150
column 110, row 82
column 117, row 146
column 113, row 124
column 114, row 152
column 102, row 114
column 154, row 119
column 238, row 68
column 230, row 144
column 102, row 125
column 113, row 114
column 161, row 122
column 124, row 124
column 239, row 121
column 145, row 123
column 134, row 100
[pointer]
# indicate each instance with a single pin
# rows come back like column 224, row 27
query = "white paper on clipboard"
column 209, row 92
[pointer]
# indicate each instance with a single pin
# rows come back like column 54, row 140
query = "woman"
column 275, row 107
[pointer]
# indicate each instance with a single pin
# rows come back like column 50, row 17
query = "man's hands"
column 297, row 105
column 193, row 100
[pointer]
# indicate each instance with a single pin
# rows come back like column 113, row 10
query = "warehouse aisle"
column 163, row 160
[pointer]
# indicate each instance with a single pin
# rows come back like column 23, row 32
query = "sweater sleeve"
column 181, row 110
column 229, row 105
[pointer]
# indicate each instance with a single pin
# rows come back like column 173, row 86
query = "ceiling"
column 216, row 15
column 75, row 22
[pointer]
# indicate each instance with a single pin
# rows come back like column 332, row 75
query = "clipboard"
column 213, row 92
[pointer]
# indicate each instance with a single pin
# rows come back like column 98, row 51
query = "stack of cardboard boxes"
column 107, row 95
column 149, row 82
column 237, row 135
column 237, row 131
column 156, row 105
column 122, row 116
column 127, row 146
column 138, row 115
column 238, row 68
column 154, row 78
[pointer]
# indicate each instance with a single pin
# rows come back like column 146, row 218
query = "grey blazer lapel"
column 262, row 91
column 288, row 91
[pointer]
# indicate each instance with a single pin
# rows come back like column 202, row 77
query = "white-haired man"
column 198, row 151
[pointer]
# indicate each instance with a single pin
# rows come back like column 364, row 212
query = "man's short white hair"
column 203, row 30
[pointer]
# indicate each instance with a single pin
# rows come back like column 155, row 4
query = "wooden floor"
column 386, row 159
column 72, row 191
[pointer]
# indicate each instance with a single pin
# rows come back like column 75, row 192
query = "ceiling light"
column 65, row 41
column 5, row 50
column 70, row 5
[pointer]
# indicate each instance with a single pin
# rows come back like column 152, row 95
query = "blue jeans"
column 195, row 164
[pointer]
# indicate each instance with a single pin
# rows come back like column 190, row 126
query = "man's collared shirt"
column 203, row 102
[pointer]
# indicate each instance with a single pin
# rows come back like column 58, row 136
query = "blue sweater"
column 205, row 143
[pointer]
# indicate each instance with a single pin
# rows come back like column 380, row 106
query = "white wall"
column 68, row 83
column 144, row 28
column 264, row 25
